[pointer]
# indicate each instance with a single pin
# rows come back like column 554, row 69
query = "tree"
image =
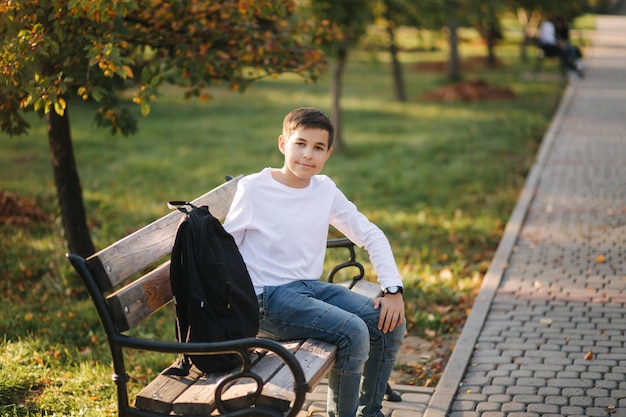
column 396, row 13
column 487, row 22
column 54, row 50
column 438, row 14
column 350, row 18
column 452, row 14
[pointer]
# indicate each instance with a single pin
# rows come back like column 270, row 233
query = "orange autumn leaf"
column 600, row 259
column 589, row 355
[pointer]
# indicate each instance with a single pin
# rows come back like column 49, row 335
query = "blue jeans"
column 334, row 314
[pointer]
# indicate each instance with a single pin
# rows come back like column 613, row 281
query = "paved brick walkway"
column 547, row 335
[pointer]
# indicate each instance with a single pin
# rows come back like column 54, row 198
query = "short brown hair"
column 308, row 117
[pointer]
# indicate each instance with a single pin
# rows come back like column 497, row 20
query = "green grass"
column 439, row 178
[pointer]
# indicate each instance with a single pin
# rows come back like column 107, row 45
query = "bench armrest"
column 242, row 347
column 237, row 346
column 351, row 262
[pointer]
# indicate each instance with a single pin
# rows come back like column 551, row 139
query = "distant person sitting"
column 561, row 28
column 554, row 41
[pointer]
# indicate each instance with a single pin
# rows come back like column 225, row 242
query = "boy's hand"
column 391, row 311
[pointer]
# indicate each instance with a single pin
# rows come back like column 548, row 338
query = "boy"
column 279, row 219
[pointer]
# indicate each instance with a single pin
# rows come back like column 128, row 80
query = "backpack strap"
column 180, row 205
column 182, row 330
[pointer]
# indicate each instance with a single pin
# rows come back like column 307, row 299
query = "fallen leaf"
column 445, row 274
column 611, row 409
column 589, row 355
column 545, row 320
column 600, row 259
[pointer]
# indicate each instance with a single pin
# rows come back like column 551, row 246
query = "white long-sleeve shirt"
column 281, row 231
column 547, row 33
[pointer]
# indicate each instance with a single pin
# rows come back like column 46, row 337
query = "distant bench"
column 547, row 51
column 129, row 281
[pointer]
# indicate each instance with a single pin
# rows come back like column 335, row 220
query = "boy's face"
column 306, row 151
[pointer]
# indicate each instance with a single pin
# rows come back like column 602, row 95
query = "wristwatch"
column 393, row 290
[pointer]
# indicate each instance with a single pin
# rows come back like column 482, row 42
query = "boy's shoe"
column 571, row 74
column 580, row 66
column 391, row 395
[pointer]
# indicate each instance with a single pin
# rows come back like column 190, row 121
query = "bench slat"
column 316, row 358
column 366, row 288
column 164, row 389
column 138, row 300
column 198, row 399
column 114, row 264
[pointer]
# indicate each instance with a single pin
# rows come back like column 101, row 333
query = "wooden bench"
column 129, row 281
column 542, row 54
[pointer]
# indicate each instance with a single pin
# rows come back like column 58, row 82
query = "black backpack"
column 213, row 293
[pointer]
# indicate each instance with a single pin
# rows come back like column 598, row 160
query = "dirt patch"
column 19, row 210
column 470, row 90
column 421, row 362
column 468, row 64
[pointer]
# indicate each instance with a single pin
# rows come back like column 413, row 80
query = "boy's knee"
column 360, row 332
column 396, row 337
column 356, row 338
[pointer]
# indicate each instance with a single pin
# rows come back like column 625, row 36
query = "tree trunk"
column 396, row 68
column 491, row 49
column 494, row 33
column 526, row 41
column 454, row 66
column 530, row 20
column 337, row 85
column 69, row 193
